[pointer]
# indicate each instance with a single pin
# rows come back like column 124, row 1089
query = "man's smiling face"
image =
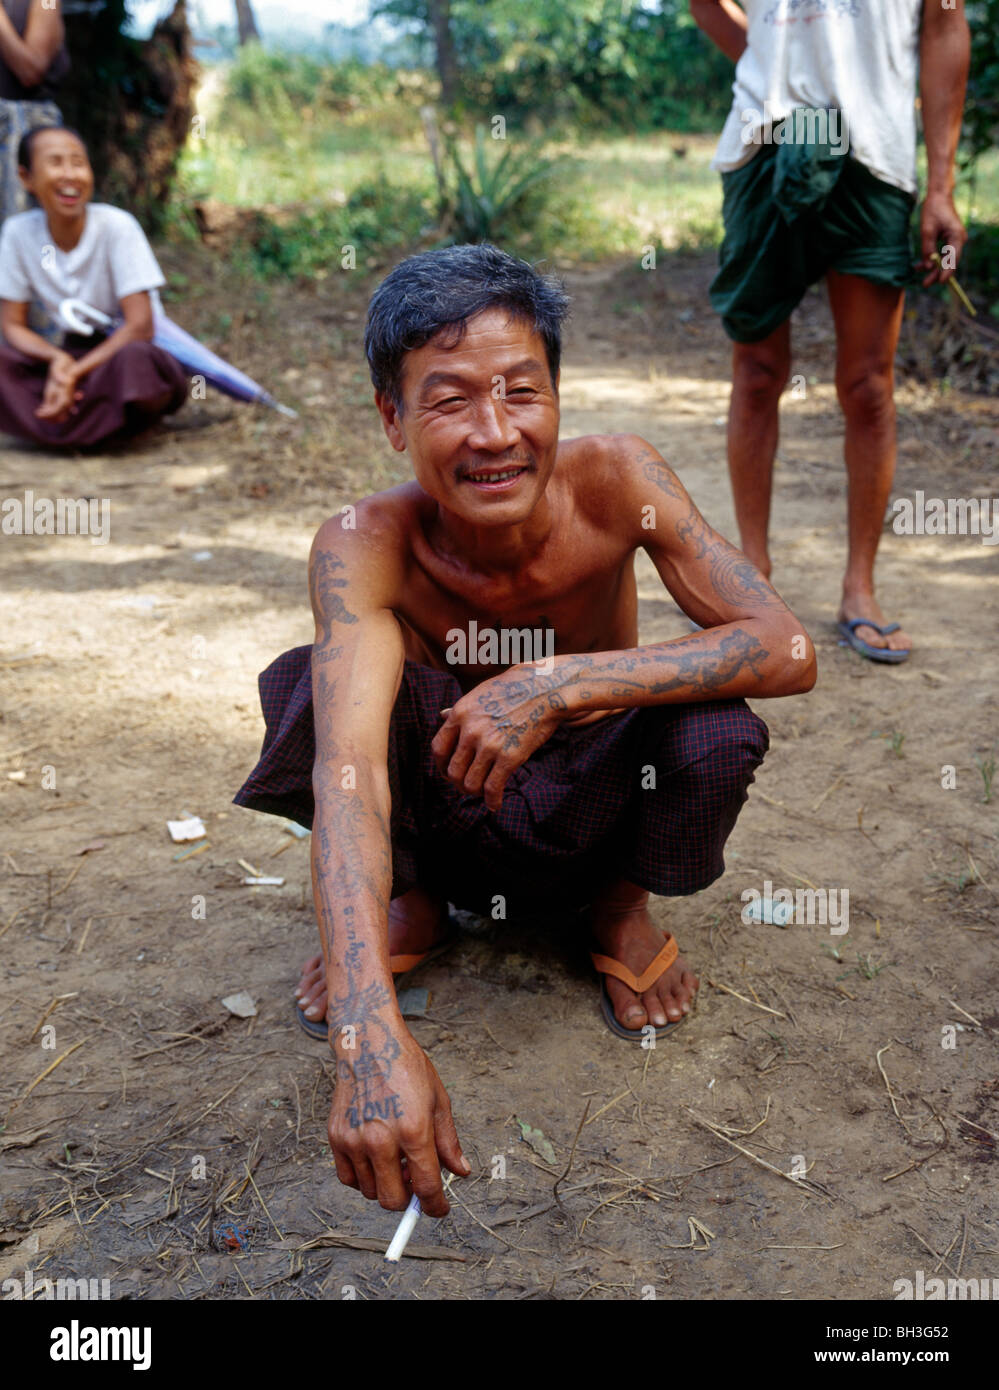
column 60, row 176
column 480, row 420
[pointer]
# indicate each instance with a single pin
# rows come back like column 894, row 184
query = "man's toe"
column 313, row 974
column 686, row 990
column 674, row 1007
column 655, row 1007
column 311, row 996
column 627, row 1008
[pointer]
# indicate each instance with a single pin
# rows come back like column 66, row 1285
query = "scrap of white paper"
column 181, row 830
column 241, row 1004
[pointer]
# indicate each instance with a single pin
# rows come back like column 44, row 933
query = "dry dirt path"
column 130, row 670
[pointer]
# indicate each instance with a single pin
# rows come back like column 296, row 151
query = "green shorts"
column 766, row 263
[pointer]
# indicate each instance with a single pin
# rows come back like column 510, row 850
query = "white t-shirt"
column 112, row 259
column 859, row 56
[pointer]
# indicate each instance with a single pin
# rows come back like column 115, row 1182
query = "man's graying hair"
column 437, row 292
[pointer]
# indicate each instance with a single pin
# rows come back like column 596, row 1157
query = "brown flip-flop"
column 657, row 967
column 402, row 968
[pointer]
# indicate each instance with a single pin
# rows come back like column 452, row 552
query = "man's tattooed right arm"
column 356, row 662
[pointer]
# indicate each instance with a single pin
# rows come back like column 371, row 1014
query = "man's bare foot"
column 626, row 932
column 414, row 927
column 863, row 604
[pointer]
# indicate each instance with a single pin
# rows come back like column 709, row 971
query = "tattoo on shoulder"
column 328, row 603
column 661, row 474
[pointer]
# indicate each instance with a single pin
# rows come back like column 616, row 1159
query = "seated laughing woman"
column 69, row 389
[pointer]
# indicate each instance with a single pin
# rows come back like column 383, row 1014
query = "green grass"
column 617, row 193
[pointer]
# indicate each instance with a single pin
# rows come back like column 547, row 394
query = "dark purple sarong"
column 122, row 397
column 575, row 817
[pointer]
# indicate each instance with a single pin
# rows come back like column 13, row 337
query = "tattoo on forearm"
column 352, row 877
column 352, row 862
column 698, row 666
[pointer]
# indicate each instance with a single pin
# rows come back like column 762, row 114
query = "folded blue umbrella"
column 82, row 318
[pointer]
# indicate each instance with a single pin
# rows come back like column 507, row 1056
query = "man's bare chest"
column 476, row 625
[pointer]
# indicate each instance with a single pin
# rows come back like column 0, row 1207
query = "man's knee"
column 760, row 371
column 717, row 745
column 866, row 394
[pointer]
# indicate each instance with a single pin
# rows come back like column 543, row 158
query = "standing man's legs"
column 759, row 374
column 867, row 318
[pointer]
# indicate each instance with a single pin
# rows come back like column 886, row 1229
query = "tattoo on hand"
column 372, row 1099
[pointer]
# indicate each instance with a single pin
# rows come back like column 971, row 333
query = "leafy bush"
column 376, row 219
column 279, row 85
column 490, row 194
column 981, row 111
column 979, row 268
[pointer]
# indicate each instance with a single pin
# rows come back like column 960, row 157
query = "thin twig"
column 965, row 1012
column 54, row 1005
column 716, row 985
column 891, row 1093
column 831, row 788
column 943, row 1257
column 918, row 1163
column 803, row 1184
column 50, row 1068
column 260, row 1199
column 981, row 1128
column 804, row 1247
column 695, row 1229
column 934, row 1253
column 455, row 1198
column 596, row 1115
column 572, row 1155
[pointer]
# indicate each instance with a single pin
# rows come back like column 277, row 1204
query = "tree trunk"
column 447, row 62
column 133, row 103
column 247, row 24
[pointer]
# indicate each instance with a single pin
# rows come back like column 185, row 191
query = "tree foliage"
column 981, row 112
column 583, row 59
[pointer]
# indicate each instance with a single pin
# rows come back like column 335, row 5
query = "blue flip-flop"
column 848, row 632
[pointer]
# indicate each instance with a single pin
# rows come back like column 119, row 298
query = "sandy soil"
column 180, row 1151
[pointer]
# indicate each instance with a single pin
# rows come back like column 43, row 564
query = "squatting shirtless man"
column 584, row 781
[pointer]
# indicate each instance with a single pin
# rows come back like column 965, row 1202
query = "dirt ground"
column 156, row 1140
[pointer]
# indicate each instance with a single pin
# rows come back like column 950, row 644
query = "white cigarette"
column 405, row 1229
